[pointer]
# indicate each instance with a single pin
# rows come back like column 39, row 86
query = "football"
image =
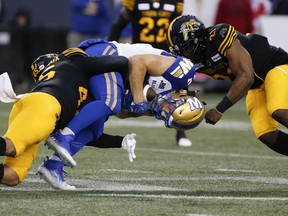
column 148, row 93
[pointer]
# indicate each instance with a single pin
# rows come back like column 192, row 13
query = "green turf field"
column 227, row 171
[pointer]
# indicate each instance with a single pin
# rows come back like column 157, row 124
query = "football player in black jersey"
column 256, row 68
column 61, row 87
column 150, row 21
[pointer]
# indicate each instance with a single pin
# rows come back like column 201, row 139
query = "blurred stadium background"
column 50, row 23
column 227, row 171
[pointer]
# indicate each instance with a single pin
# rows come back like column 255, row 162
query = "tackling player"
column 255, row 67
column 61, row 87
column 177, row 73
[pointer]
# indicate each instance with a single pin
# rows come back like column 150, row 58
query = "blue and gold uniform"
column 59, row 92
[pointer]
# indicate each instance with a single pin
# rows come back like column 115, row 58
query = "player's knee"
column 10, row 177
column 281, row 115
column 10, row 148
column 117, row 109
column 269, row 138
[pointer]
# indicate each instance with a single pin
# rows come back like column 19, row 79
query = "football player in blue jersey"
column 165, row 70
column 150, row 21
column 256, row 68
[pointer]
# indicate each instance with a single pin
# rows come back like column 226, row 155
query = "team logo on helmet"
column 189, row 27
column 178, row 110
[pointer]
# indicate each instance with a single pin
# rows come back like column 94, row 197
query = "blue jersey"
column 178, row 76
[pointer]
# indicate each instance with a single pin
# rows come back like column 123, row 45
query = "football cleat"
column 129, row 144
column 182, row 140
column 61, row 144
column 52, row 172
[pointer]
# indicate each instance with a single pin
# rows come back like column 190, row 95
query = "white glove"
column 129, row 144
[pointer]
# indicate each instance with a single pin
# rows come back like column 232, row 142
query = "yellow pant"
column 262, row 102
column 32, row 120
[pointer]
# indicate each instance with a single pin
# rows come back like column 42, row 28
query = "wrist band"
column 218, row 111
column 224, row 104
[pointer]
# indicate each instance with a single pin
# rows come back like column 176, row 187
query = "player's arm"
column 140, row 65
column 103, row 64
column 117, row 27
column 241, row 65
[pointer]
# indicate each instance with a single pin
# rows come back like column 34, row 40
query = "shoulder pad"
column 74, row 52
column 222, row 36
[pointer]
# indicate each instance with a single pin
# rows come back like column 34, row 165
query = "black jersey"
column 67, row 79
column 151, row 19
column 222, row 36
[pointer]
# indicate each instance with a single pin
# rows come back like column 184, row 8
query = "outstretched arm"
column 241, row 66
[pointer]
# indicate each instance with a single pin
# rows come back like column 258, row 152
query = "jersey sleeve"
column 179, row 7
column 129, row 4
column 103, row 64
column 225, row 36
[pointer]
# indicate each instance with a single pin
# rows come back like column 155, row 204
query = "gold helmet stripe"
column 169, row 31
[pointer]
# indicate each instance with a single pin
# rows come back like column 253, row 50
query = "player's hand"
column 129, row 144
column 212, row 116
column 139, row 108
column 127, row 100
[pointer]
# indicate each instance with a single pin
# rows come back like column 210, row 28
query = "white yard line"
column 166, row 151
column 153, row 196
column 230, row 125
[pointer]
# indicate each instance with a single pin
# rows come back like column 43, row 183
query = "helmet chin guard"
column 178, row 110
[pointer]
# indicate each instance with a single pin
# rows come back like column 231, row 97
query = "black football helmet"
column 40, row 63
column 186, row 36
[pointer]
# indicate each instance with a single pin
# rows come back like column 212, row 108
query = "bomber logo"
column 187, row 27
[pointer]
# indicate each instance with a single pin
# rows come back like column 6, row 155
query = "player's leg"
column 182, row 139
column 26, row 129
column 265, row 127
column 276, row 89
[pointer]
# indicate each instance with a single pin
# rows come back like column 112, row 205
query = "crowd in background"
column 93, row 18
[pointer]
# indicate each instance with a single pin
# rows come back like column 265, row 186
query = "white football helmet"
column 178, row 110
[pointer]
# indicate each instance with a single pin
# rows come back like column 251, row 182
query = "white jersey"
column 178, row 76
column 158, row 83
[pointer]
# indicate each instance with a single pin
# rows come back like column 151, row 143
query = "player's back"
column 150, row 20
column 67, row 82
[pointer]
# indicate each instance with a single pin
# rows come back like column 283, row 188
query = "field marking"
column 211, row 154
column 224, row 124
column 164, row 196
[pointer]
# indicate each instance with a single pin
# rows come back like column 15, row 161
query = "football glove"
column 129, row 144
column 139, row 108
column 127, row 100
